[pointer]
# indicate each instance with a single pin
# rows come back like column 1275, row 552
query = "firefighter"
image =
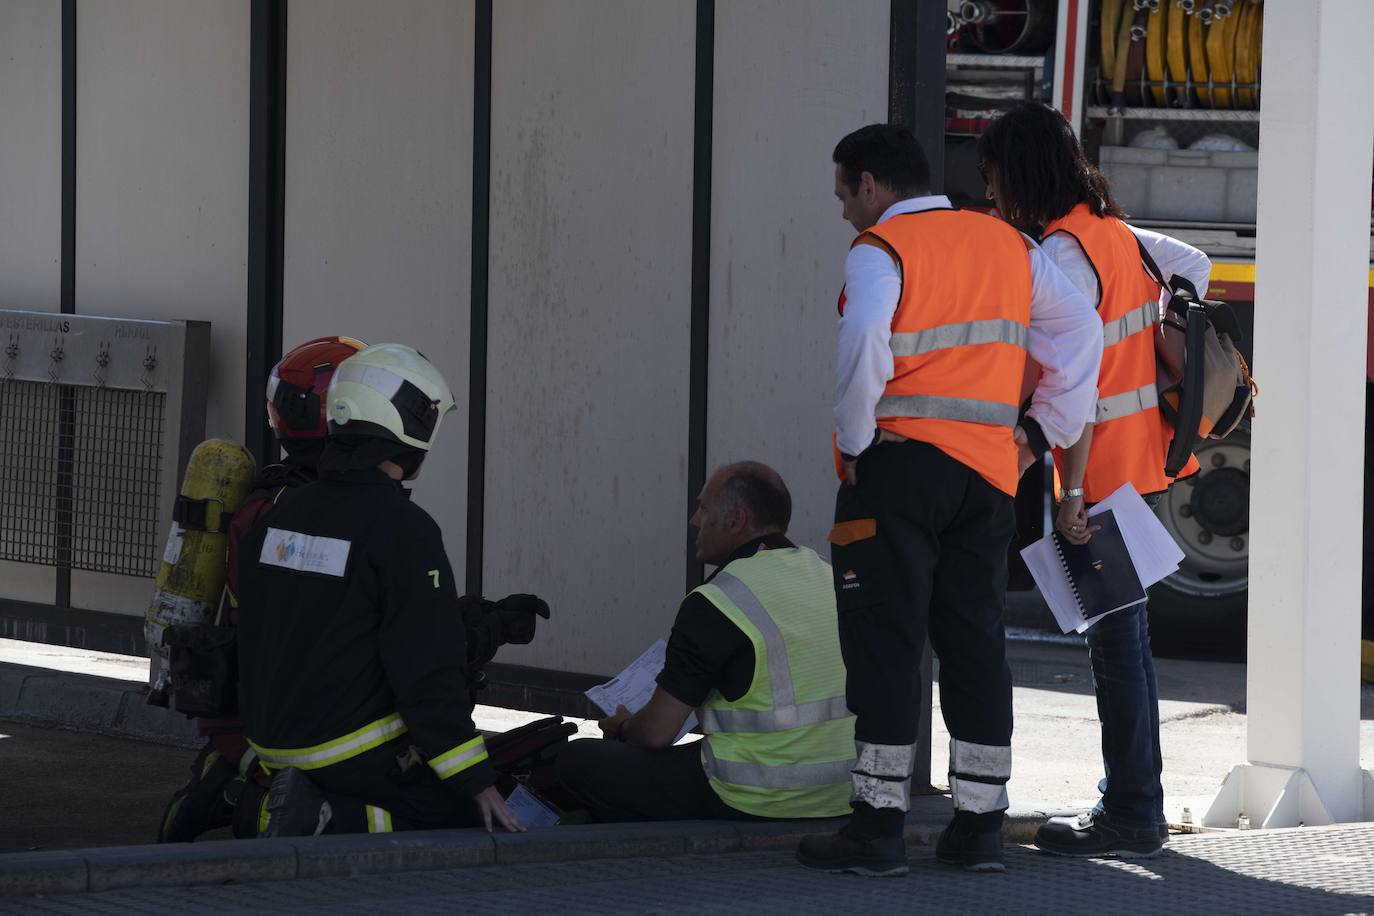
column 1044, row 184
column 296, row 391
column 939, row 310
column 353, row 671
column 754, row 651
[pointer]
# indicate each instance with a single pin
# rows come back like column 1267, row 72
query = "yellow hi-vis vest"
column 785, row 748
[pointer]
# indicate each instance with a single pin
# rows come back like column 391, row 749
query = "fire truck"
column 1165, row 97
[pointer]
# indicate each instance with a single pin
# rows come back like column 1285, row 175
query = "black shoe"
column 971, row 850
column 294, row 806
column 847, row 851
column 1082, row 821
column 1098, row 837
column 205, row 803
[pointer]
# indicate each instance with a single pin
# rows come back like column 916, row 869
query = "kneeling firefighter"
column 354, row 661
column 201, row 654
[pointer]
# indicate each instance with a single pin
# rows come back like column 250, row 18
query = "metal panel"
column 30, row 154
column 162, row 192
column 590, row 309
column 783, row 99
column 378, row 198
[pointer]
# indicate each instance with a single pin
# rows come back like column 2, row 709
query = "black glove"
column 518, row 617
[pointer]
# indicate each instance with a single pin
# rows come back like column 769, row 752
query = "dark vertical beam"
column 266, row 215
column 916, row 98
column 701, row 269
column 62, row 597
column 916, row 78
column 481, row 247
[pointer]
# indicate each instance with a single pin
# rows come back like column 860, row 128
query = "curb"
column 240, row 861
column 83, row 702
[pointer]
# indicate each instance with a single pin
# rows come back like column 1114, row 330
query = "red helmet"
column 298, row 387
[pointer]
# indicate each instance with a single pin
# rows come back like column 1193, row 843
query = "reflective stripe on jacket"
column 786, row 747
column 1130, row 436
column 958, row 336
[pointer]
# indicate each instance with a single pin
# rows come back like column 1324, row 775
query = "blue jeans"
column 1128, row 709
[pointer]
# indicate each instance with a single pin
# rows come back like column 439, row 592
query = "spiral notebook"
column 1100, row 573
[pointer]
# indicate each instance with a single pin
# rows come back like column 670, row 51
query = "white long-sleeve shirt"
column 1065, row 339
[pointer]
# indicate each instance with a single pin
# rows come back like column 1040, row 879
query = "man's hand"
column 518, row 617
column 1024, row 456
column 493, row 807
column 851, row 471
column 611, row 725
column 1072, row 521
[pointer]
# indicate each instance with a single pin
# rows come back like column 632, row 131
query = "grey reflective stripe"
column 977, row 797
column 992, row 413
column 779, row 669
column 778, row 719
column 990, row 761
column 791, row 776
column 892, row 760
column 1127, row 403
column 960, row 334
column 881, row 793
column 1133, row 322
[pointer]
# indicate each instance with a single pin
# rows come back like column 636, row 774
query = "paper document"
column 633, row 687
column 1153, row 552
column 531, row 812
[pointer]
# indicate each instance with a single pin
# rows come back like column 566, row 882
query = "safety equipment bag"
column 1204, row 385
column 204, row 668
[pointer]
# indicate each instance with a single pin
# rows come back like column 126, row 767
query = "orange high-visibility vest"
column 958, row 336
column 1130, row 436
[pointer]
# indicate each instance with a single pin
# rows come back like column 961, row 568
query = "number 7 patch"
column 434, row 574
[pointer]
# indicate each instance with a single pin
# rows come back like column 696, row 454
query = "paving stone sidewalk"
column 1305, row 871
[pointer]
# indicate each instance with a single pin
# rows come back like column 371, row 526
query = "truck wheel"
column 1200, row 611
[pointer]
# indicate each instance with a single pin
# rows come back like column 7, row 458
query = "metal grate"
column 29, row 417
column 116, row 480
column 82, row 476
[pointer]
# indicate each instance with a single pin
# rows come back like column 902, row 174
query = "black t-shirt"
column 706, row 651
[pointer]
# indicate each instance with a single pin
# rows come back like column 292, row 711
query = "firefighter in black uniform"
column 353, row 660
column 296, row 391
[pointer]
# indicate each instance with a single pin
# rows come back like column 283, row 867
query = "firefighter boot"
column 294, row 806
column 871, row 844
column 203, row 804
column 964, row 844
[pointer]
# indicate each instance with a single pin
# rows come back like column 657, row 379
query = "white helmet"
column 389, row 391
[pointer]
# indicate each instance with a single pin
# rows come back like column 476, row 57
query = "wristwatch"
column 1070, row 493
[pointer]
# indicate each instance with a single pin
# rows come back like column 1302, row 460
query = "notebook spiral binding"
column 1073, row 586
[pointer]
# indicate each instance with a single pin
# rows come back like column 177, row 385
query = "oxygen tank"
column 191, row 580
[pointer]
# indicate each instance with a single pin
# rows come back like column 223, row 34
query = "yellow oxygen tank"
column 191, row 579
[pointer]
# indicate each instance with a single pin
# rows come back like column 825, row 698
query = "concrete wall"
column 30, row 193
column 379, row 198
column 30, row 154
column 777, row 239
column 590, row 309
column 162, row 190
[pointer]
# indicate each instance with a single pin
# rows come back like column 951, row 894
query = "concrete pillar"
column 1316, row 140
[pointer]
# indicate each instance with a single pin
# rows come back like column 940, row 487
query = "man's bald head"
column 741, row 502
column 760, row 492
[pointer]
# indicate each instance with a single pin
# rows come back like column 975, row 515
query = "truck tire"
column 1200, row 611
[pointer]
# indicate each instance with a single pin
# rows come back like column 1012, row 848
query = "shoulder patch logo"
column 305, row 552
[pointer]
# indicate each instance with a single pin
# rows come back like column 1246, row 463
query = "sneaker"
column 969, row 849
column 294, row 806
column 848, row 851
column 205, row 803
column 1098, row 837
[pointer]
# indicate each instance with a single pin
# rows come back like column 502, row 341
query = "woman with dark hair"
column 1043, row 184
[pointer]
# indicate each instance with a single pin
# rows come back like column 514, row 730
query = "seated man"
column 353, row 661
column 755, row 651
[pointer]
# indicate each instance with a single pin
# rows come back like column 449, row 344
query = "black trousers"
column 620, row 782
column 415, row 797
column 934, row 561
